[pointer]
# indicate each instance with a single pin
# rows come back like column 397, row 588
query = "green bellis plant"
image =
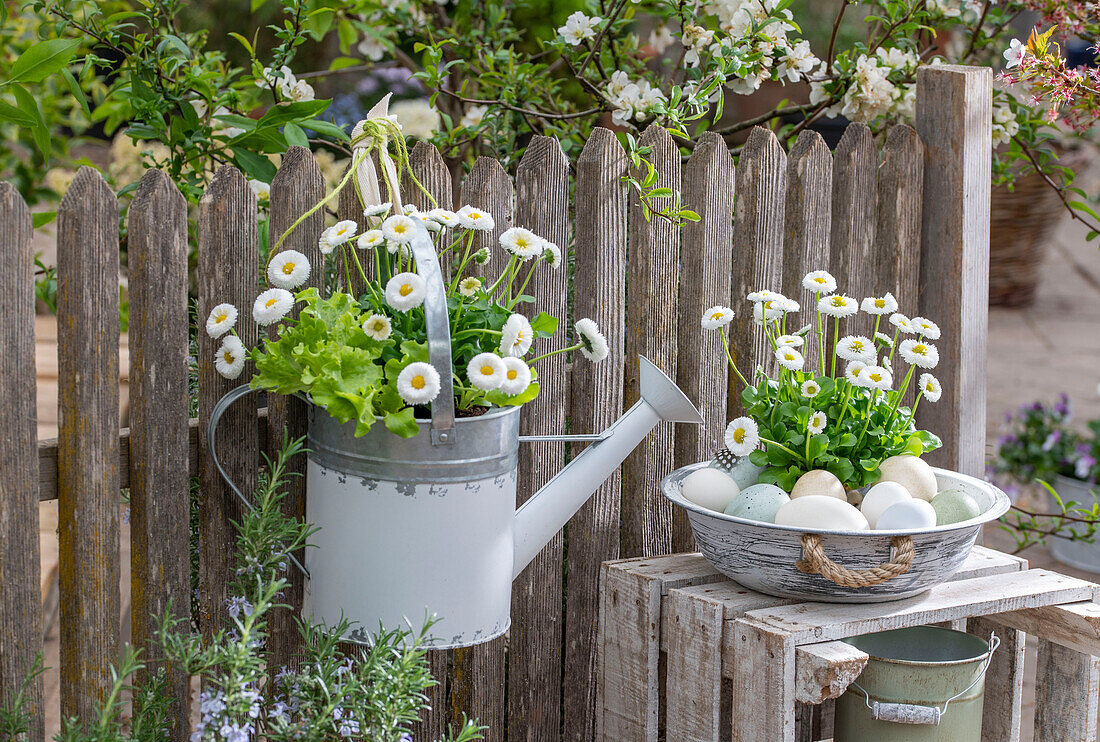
column 846, row 420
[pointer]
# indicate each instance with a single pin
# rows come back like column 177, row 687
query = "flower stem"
column 729, row 357
column 836, row 334
column 780, row 446
column 820, row 341
column 578, row 346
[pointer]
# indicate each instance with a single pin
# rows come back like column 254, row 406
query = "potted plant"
column 1040, row 447
column 821, row 492
column 415, row 382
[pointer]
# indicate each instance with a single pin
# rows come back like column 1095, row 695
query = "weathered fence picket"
column 20, row 608
column 871, row 217
column 87, row 443
column 160, row 499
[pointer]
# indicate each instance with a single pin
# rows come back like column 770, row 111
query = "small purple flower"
column 1006, row 440
column 1052, row 440
column 406, row 737
column 350, row 727
column 1083, row 466
column 238, row 604
column 1062, row 405
column 126, row 515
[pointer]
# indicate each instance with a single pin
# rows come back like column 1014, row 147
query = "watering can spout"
column 551, row 507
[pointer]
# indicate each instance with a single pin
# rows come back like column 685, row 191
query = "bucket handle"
column 816, row 561
column 437, row 324
column 211, row 442
column 912, row 713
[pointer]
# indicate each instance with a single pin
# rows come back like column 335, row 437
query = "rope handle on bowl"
column 816, row 561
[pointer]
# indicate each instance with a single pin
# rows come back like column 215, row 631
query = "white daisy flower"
column 486, row 371
column 856, row 348
column 853, row 371
column 261, row 189
column 919, row 353
column 884, row 339
column 887, row 364
column 271, row 306
column 901, row 322
column 742, row 436
column 324, row 244
column 444, row 217
column 410, row 209
column 221, row 320
column 523, row 243
column 717, row 317
column 837, row 305
column 765, row 311
column 231, row 356
column 399, row 229
column 469, row 286
column 341, row 232
column 418, row 383
column 787, row 305
column 880, row 305
column 473, row 218
column 789, row 358
column 429, row 224
column 790, row 341
column 405, row 291
column 517, row 376
column 926, row 327
column 289, row 269
column 810, row 388
column 764, row 295
column 516, row 336
column 593, row 344
column 930, row 387
column 377, row 326
column 551, row 253
column 876, row 377
column 816, row 423
column 370, row 239
column 377, row 209
column 819, row 282
column 804, row 330
column 481, row 257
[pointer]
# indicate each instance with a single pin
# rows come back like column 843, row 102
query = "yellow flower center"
column 512, row 374
column 819, row 279
column 270, row 303
column 418, row 382
column 221, row 318
column 399, row 228
column 406, row 289
column 739, row 435
column 228, row 357
column 716, row 316
column 838, row 301
column 880, row 303
column 521, row 242
column 918, row 348
column 929, row 387
column 875, row 377
column 856, row 346
column 288, row 268
column 487, row 370
column 474, row 215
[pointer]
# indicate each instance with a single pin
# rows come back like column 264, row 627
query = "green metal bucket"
column 923, row 684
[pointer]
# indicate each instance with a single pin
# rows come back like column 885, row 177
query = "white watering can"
column 428, row 525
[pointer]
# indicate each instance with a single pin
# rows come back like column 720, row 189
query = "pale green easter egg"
column 955, row 506
column 758, row 502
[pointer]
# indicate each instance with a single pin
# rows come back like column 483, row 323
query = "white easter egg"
column 912, row 473
column 821, row 511
column 955, row 506
column 709, row 488
column 758, row 502
column 819, row 482
column 911, row 513
column 880, row 497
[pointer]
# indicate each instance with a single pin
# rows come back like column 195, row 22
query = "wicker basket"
column 1022, row 222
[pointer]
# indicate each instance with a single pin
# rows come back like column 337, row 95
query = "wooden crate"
column 687, row 655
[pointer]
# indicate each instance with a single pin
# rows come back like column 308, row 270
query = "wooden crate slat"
column 763, row 704
column 87, row 452
column 160, row 498
column 534, row 644
column 757, row 250
column 825, row 670
column 596, row 400
column 651, row 284
column 21, row 599
column 954, row 115
column 705, row 265
column 428, row 167
column 1063, row 713
column 477, row 684
column 228, row 248
column 855, row 187
column 296, row 188
column 693, row 669
column 957, row 599
column 1004, row 681
column 807, row 224
column 1075, row 626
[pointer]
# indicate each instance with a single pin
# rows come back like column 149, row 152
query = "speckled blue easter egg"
column 744, row 472
column 758, row 502
column 955, row 506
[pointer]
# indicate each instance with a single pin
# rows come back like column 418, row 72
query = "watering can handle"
column 211, row 442
column 816, row 562
column 912, row 713
column 437, row 322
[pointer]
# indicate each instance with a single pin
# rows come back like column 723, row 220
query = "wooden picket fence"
column 912, row 218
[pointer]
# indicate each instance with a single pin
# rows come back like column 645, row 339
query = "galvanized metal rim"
column 1001, row 504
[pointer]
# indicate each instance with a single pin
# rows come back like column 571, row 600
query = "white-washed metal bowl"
column 762, row 556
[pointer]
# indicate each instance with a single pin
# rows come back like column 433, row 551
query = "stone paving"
column 1034, row 353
